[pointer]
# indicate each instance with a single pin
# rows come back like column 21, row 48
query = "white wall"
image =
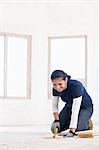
column 98, row 47
column 42, row 20
column 97, row 68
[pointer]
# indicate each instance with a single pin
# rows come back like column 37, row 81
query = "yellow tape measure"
column 55, row 132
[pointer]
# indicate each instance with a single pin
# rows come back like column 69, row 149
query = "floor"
column 36, row 139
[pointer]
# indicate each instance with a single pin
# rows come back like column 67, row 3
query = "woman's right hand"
column 55, row 124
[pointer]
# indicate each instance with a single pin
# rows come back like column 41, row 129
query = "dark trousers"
column 83, row 117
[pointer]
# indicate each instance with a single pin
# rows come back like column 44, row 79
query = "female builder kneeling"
column 78, row 109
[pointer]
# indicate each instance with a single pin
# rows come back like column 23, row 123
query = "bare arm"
column 56, row 117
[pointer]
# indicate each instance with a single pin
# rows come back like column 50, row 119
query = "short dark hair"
column 59, row 74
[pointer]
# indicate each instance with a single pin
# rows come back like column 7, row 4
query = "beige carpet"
column 30, row 141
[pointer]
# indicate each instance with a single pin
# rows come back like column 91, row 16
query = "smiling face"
column 59, row 84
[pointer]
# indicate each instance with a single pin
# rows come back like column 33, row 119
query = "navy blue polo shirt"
column 74, row 89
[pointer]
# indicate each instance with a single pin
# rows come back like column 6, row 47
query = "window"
column 15, row 66
column 68, row 54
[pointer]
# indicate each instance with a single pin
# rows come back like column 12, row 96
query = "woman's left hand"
column 71, row 133
column 68, row 134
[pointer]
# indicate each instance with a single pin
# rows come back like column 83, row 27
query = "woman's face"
column 59, row 84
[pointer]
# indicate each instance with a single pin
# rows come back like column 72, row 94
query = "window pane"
column 68, row 54
column 17, row 67
column 1, row 65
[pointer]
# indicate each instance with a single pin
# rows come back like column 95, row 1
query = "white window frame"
column 49, row 60
column 28, row 80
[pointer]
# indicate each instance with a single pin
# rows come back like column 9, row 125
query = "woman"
column 78, row 109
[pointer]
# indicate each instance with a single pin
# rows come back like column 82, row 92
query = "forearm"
column 55, row 101
column 56, row 116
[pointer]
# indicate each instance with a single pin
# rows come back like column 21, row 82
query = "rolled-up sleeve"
column 55, row 100
column 75, row 112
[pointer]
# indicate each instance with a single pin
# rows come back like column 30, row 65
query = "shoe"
column 90, row 124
